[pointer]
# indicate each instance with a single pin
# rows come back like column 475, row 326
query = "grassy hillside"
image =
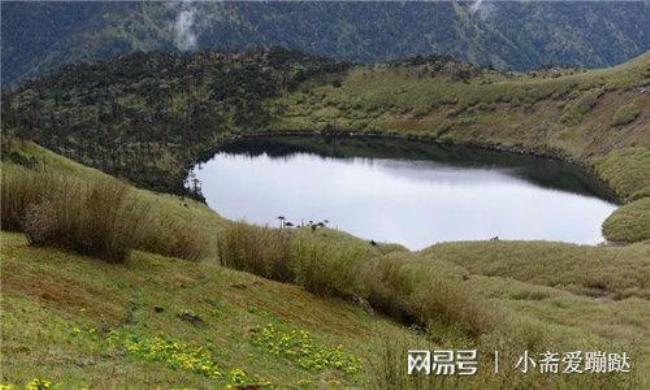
column 74, row 321
column 204, row 325
column 168, row 213
column 570, row 114
column 212, row 322
column 599, row 118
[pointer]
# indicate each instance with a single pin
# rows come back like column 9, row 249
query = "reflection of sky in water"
column 412, row 203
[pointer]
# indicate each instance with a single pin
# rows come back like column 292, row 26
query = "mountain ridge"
column 508, row 35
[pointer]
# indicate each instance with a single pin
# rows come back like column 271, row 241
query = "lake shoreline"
column 412, row 193
column 556, row 155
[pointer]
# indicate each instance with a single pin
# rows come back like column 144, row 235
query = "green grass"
column 626, row 114
column 377, row 95
column 630, row 223
column 596, row 271
column 73, row 320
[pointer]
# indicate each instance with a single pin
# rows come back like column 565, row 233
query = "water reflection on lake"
column 410, row 193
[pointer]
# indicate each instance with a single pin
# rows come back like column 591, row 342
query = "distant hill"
column 40, row 36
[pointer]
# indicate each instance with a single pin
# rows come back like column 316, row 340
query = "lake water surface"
column 411, row 193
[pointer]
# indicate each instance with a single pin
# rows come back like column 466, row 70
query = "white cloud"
column 185, row 37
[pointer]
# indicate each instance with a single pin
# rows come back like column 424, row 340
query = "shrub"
column 328, row 269
column 626, row 114
column 574, row 112
column 20, row 188
column 99, row 218
column 407, row 289
column 426, row 293
column 176, row 238
column 260, row 250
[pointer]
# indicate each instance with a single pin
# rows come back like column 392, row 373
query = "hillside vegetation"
column 149, row 118
column 520, row 35
column 197, row 321
column 573, row 116
column 203, row 324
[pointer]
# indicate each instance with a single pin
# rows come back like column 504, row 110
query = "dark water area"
column 412, row 193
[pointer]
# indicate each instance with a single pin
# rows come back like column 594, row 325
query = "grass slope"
column 167, row 210
column 98, row 319
column 60, row 308
column 599, row 118
column 77, row 321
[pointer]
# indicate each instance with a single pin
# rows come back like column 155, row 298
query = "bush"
column 20, row 188
column 626, row 114
column 574, row 112
column 410, row 290
column 426, row 293
column 99, row 218
column 176, row 238
column 259, row 250
column 328, row 269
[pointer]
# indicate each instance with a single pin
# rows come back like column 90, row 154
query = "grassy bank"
column 160, row 223
column 73, row 321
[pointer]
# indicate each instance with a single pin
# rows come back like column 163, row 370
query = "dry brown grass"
column 20, row 189
column 397, row 284
column 175, row 238
column 258, row 250
column 99, row 218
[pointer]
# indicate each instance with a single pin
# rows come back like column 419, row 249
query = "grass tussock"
column 395, row 284
column 626, row 171
column 98, row 216
column 175, row 238
column 326, row 269
column 258, row 250
column 626, row 114
column 629, row 223
column 428, row 293
column 20, row 189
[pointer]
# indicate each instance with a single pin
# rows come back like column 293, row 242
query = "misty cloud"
column 483, row 8
column 185, row 36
